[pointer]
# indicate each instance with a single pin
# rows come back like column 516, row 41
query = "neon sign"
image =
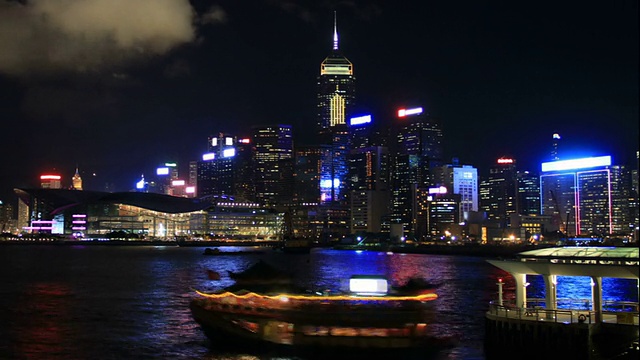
column 229, row 152
column 360, row 120
column 162, row 171
column 50, row 177
column 407, row 112
column 576, row 164
column 438, row 190
column 506, row 161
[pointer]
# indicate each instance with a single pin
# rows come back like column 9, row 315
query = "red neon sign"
column 50, row 177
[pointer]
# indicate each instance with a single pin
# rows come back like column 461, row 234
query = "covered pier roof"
column 614, row 262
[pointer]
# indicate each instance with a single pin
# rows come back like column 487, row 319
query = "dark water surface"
column 107, row 302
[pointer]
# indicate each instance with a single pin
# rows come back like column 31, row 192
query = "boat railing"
column 534, row 312
column 392, row 311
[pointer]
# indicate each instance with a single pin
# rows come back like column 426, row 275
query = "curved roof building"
column 58, row 200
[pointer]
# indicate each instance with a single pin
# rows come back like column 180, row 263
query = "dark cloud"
column 43, row 37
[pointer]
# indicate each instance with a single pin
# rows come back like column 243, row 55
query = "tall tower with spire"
column 336, row 87
column 76, row 180
column 554, row 147
column 336, row 98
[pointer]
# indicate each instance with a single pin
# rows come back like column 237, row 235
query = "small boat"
column 368, row 317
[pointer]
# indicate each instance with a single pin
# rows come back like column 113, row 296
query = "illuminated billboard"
column 244, row 141
column 190, row 190
column 177, row 183
column 576, row 164
column 327, row 183
column 229, row 152
column 170, row 164
column 208, row 156
column 506, row 161
column 438, row 190
column 50, row 177
column 360, row 120
column 162, row 171
column 407, row 112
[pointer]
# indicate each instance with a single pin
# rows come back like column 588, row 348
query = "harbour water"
column 131, row 302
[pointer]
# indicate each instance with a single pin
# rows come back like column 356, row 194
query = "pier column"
column 521, row 289
column 596, row 297
column 550, row 297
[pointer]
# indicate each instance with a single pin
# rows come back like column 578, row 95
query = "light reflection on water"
column 95, row 302
column 575, row 291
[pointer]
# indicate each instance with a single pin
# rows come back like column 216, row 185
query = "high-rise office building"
column 273, row 164
column 225, row 169
column 583, row 195
column 50, row 181
column 7, row 221
column 165, row 176
column 528, row 198
column 417, row 150
column 634, row 203
column 334, row 168
column 335, row 101
column 364, row 132
column 336, row 87
column 498, row 191
column 555, row 144
column 76, row 181
column 459, row 180
column 369, row 188
column 307, row 175
column 442, row 213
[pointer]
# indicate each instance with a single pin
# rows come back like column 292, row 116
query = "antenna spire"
column 335, row 31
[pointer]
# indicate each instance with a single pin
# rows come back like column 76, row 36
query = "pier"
column 534, row 328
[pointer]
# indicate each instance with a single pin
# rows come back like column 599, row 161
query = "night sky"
column 117, row 87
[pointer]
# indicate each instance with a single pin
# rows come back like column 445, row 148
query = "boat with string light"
column 370, row 316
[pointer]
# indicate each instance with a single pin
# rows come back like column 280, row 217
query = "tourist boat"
column 369, row 317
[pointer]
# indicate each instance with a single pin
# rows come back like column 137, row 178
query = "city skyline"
column 478, row 68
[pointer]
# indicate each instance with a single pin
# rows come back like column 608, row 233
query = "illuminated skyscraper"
column 554, row 147
column 459, row 180
column 418, row 149
column 528, row 200
column 336, row 88
column 583, row 195
column 273, row 161
column 307, row 175
column 166, row 174
column 50, row 181
column 369, row 195
column 223, row 170
column 498, row 191
column 76, row 181
column 336, row 96
column 334, row 168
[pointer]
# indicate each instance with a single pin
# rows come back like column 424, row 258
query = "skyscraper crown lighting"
column 576, row 164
